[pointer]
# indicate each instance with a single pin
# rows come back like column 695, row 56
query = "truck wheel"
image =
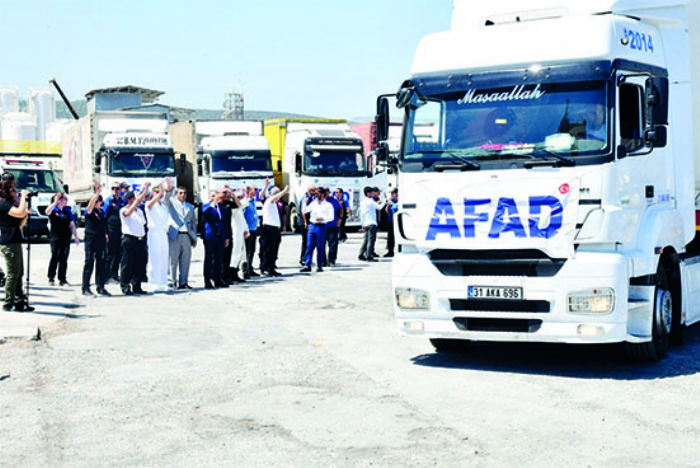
column 447, row 345
column 661, row 327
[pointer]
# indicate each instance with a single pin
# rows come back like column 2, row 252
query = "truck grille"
column 490, row 305
column 529, row 263
column 497, row 325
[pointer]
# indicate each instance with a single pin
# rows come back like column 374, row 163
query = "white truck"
column 319, row 153
column 41, row 181
column 556, row 199
column 123, row 146
column 224, row 152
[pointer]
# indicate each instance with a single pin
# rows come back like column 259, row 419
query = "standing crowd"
column 132, row 237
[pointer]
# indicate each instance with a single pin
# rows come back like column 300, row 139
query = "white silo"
column 43, row 106
column 18, row 126
column 8, row 100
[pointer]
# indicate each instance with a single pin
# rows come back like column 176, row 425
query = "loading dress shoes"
column 305, row 270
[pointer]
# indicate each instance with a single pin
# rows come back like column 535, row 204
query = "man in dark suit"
column 214, row 236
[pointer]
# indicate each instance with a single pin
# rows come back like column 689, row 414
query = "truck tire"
column 662, row 323
column 447, row 345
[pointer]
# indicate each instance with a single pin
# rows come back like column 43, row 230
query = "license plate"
column 496, row 292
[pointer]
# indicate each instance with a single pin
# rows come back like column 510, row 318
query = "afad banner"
column 496, row 215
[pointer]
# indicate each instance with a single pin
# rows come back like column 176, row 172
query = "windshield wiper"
column 546, row 156
column 461, row 163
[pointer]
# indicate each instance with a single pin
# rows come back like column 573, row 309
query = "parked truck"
column 555, row 200
column 41, row 181
column 116, row 146
column 319, row 152
column 221, row 152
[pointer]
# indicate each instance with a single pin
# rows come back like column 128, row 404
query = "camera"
column 32, row 194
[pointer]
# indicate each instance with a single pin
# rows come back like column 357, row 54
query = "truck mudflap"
column 562, row 304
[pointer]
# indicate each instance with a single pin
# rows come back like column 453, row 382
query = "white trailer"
column 555, row 200
column 116, row 146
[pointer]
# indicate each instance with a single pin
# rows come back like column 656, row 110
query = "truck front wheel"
column 661, row 327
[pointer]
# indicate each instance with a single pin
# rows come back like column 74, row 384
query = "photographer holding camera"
column 13, row 216
column 61, row 227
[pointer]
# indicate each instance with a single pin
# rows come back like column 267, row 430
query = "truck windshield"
column 36, row 180
column 142, row 163
column 509, row 126
column 240, row 161
column 330, row 162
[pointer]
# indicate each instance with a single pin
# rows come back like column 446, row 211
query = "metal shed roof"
column 147, row 95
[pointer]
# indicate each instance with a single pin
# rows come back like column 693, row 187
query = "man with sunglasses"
column 112, row 204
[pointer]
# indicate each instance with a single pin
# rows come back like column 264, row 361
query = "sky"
column 326, row 58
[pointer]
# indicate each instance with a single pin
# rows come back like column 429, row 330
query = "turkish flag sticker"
column 564, row 189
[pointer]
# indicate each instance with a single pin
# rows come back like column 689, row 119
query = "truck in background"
column 116, row 146
column 39, row 179
column 221, row 152
column 319, row 152
column 556, row 199
column 383, row 175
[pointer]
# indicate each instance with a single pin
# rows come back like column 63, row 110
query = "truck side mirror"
column 382, row 152
column 656, row 98
column 279, row 165
column 65, row 188
column 200, row 170
column 656, row 136
column 382, row 119
column 297, row 164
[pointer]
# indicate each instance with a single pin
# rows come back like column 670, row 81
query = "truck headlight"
column 409, row 298
column 592, row 301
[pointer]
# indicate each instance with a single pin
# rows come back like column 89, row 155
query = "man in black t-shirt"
column 12, row 218
column 62, row 226
column 95, row 245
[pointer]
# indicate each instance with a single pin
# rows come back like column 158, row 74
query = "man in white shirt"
column 321, row 213
column 368, row 217
column 133, row 248
column 271, row 233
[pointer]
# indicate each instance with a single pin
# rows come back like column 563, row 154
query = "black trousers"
column 60, row 248
column 270, row 238
column 390, row 241
column 132, row 264
column 95, row 256
column 250, row 248
column 114, row 251
column 332, row 240
column 304, row 231
column 213, row 254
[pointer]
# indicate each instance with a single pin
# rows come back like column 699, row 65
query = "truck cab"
column 40, row 180
column 135, row 158
column 235, row 160
column 323, row 158
column 552, row 191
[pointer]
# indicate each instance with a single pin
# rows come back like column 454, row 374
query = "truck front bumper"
column 542, row 314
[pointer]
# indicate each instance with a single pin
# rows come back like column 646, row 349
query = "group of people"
column 324, row 217
column 147, row 236
column 136, row 236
